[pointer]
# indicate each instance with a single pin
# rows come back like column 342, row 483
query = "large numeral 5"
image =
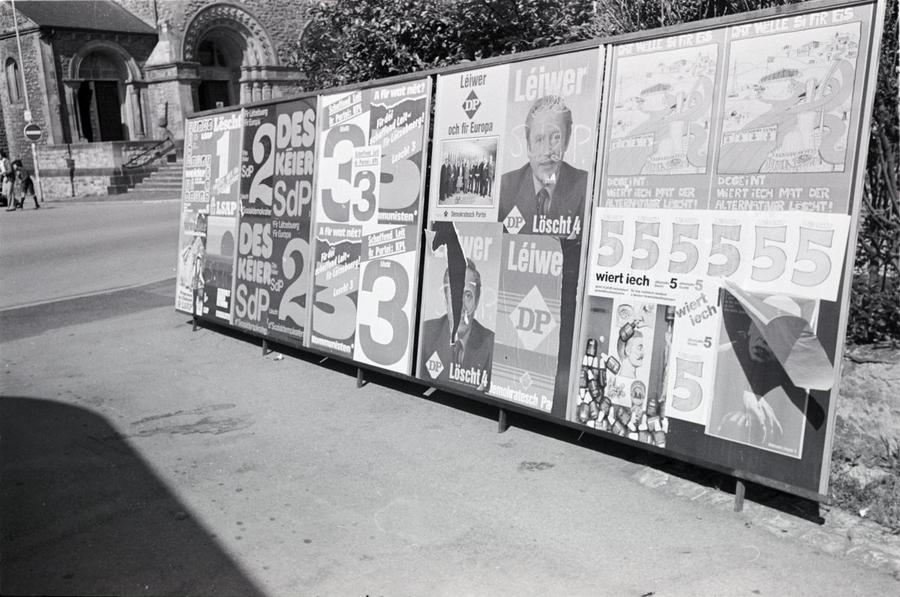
column 607, row 229
column 774, row 254
column 691, row 254
column 732, row 255
column 687, row 394
column 820, row 259
column 644, row 233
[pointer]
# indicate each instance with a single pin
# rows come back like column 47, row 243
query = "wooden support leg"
column 739, row 496
column 502, row 421
column 265, row 347
column 194, row 327
column 360, row 377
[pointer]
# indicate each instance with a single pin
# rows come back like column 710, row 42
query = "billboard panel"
column 368, row 220
column 719, row 240
column 205, row 270
column 514, row 149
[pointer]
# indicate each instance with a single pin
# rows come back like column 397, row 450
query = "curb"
column 841, row 534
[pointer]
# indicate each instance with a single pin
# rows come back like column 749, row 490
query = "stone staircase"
column 166, row 179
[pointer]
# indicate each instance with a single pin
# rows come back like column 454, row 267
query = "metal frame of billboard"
column 868, row 89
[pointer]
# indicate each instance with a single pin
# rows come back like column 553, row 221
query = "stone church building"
column 111, row 82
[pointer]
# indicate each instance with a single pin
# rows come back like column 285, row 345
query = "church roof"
column 83, row 14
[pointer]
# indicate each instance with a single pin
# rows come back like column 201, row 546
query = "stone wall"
column 94, row 169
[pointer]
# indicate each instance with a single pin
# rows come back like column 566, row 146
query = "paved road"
column 141, row 458
column 66, row 250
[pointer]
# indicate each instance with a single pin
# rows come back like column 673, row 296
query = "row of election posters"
column 302, row 221
column 645, row 239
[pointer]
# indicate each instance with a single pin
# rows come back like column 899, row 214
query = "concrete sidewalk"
column 142, row 458
column 129, row 196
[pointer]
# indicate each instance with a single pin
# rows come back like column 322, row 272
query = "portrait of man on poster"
column 547, row 192
column 469, row 357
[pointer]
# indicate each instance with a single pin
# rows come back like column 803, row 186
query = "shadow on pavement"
column 773, row 498
column 25, row 322
column 82, row 513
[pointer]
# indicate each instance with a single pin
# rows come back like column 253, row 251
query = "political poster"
column 723, row 214
column 661, row 122
column 255, row 255
column 274, row 261
column 514, row 148
column 469, row 361
column 367, row 222
column 791, row 112
column 207, row 245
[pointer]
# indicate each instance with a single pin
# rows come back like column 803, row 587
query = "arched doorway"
column 220, row 58
column 101, row 97
column 233, row 53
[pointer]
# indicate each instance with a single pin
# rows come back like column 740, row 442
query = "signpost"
column 33, row 132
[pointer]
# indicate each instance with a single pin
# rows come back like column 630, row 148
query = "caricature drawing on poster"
column 787, row 101
column 661, row 113
column 631, row 336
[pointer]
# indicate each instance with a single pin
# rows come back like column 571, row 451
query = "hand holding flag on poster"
column 789, row 336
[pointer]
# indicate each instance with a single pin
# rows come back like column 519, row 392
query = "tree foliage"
column 349, row 41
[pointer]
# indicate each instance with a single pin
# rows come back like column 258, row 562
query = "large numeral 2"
column 288, row 307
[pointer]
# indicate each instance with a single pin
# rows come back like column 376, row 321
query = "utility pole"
column 28, row 115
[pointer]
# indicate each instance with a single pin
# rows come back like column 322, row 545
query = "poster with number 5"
column 367, row 214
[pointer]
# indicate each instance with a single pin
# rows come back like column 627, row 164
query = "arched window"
column 13, row 81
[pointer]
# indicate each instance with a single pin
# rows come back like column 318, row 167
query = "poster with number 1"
column 367, row 222
column 209, row 216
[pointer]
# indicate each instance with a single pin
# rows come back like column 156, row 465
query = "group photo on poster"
column 468, row 168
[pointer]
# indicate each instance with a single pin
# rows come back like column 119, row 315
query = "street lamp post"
column 28, row 115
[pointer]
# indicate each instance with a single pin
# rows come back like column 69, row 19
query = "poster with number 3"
column 367, row 218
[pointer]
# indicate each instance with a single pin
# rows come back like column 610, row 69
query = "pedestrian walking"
column 23, row 187
column 6, row 175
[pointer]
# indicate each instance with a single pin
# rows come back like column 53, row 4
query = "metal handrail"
column 150, row 154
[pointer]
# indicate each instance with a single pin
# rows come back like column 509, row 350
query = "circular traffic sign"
column 33, row 131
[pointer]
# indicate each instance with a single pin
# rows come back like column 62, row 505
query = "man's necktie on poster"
column 543, row 202
column 789, row 336
column 458, row 352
